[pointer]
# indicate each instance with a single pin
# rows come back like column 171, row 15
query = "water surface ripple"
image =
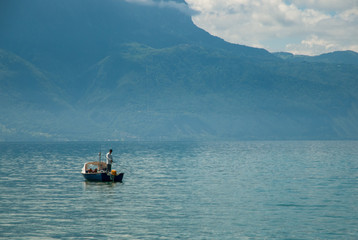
column 181, row 190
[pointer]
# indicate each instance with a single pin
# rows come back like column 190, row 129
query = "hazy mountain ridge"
column 339, row 57
column 153, row 75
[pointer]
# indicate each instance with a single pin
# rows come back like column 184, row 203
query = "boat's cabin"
column 94, row 167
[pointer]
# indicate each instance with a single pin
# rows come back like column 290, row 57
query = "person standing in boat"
column 109, row 160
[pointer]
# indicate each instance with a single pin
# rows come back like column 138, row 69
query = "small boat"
column 97, row 171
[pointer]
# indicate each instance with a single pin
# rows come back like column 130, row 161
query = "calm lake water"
column 181, row 190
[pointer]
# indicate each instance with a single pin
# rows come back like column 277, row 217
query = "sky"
column 307, row 27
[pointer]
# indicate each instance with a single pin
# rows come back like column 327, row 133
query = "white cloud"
column 166, row 4
column 308, row 27
column 325, row 5
column 312, row 46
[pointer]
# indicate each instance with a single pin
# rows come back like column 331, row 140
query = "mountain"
column 109, row 70
column 339, row 57
column 41, row 29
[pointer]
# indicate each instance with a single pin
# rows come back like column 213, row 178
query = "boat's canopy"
column 94, row 166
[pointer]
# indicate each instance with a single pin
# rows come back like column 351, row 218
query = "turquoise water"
column 181, row 190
